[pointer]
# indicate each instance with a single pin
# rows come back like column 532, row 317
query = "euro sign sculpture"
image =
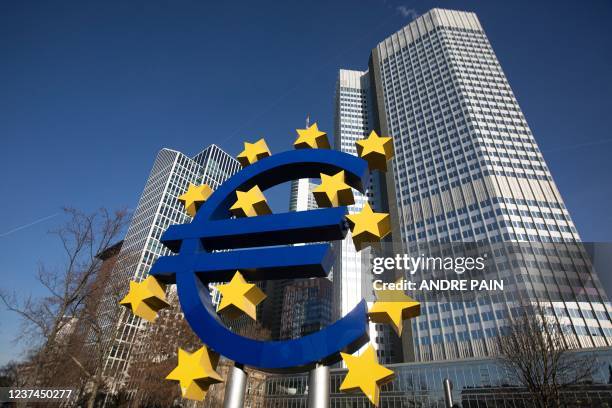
column 213, row 246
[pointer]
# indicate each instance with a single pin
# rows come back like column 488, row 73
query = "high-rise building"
column 354, row 120
column 157, row 209
column 466, row 169
column 301, row 197
column 306, row 307
column 95, row 301
column 300, row 194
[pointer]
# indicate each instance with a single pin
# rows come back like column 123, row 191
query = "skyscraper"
column 300, row 195
column 301, row 198
column 466, row 168
column 157, row 208
column 306, row 307
column 354, row 120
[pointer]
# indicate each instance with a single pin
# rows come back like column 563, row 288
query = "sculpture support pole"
column 448, row 394
column 318, row 387
column 235, row 387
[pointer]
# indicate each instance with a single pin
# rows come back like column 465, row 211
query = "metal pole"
column 318, row 387
column 448, row 395
column 235, row 387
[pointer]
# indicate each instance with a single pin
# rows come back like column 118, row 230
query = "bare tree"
column 254, row 393
column 89, row 344
column 255, row 379
column 535, row 354
column 154, row 356
column 49, row 321
column 10, row 375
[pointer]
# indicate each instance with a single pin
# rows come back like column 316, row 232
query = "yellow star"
column 253, row 152
column 311, row 138
column 333, row 191
column 195, row 372
column 376, row 150
column 239, row 297
column 194, row 197
column 145, row 298
column 393, row 307
column 365, row 374
column 250, row 203
column 368, row 226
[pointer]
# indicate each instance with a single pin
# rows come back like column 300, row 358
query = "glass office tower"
column 467, row 169
column 306, row 307
column 301, row 198
column 157, row 209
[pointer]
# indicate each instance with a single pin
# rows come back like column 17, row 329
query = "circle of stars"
column 195, row 371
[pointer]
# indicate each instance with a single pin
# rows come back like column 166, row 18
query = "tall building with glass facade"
column 157, row 209
column 301, row 197
column 466, row 169
column 354, row 120
column 306, row 307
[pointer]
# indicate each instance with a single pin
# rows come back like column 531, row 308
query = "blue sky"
column 90, row 91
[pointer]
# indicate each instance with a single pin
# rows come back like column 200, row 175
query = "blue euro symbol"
column 260, row 248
